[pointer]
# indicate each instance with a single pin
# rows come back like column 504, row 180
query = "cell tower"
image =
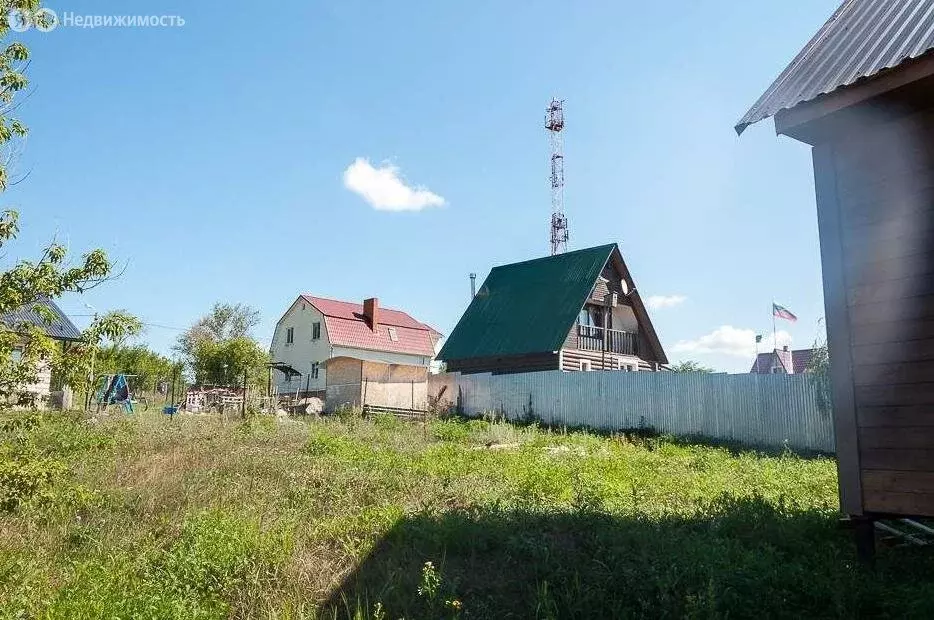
column 554, row 123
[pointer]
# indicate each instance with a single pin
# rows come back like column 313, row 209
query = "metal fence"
column 762, row 410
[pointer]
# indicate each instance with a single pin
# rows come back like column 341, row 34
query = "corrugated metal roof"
column 61, row 328
column 526, row 307
column 862, row 38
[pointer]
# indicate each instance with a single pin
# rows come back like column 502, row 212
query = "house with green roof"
column 574, row 311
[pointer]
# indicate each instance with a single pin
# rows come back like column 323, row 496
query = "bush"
column 23, row 479
column 450, row 430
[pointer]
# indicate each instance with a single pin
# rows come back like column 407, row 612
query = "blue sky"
column 210, row 158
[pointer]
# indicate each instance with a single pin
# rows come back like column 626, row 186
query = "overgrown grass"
column 197, row 518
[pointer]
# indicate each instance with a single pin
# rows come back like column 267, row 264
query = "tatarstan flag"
column 783, row 313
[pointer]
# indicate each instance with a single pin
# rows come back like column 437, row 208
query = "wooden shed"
column 861, row 93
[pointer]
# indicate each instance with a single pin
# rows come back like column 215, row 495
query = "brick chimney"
column 371, row 312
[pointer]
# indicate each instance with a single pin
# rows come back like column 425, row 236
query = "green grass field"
column 196, row 518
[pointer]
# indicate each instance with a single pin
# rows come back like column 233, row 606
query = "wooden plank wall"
column 884, row 185
column 531, row 362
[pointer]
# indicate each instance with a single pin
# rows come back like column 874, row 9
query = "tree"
column 219, row 347
column 149, row 367
column 223, row 322
column 690, row 366
column 27, row 347
column 77, row 365
column 819, row 367
column 228, row 361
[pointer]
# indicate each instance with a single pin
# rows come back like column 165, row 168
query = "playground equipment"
column 115, row 390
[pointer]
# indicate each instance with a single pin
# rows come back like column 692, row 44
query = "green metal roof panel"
column 526, row 307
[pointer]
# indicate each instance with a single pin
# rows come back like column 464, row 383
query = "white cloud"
column 730, row 340
column 656, row 302
column 385, row 189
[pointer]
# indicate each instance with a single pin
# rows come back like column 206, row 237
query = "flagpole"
column 774, row 336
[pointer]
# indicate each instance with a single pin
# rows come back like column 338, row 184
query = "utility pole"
column 93, row 345
column 243, row 404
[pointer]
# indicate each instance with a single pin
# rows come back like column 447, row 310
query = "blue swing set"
column 115, row 390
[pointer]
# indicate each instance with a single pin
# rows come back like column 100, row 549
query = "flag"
column 758, row 338
column 783, row 313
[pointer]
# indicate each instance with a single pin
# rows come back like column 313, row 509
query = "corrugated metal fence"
column 763, row 410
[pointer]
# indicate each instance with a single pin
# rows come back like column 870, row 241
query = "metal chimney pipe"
column 473, row 285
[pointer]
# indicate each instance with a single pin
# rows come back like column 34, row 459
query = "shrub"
column 23, row 479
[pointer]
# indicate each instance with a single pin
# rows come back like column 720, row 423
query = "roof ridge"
column 423, row 326
column 343, row 301
column 608, row 246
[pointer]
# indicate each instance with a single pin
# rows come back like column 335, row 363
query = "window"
column 393, row 335
column 290, row 335
column 585, row 365
column 314, row 370
column 619, row 364
column 315, row 330
column 288, row 377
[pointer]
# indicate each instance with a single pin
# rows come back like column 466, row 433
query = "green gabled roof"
column 527, row 307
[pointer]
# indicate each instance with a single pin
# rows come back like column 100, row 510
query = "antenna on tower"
column 554, row 123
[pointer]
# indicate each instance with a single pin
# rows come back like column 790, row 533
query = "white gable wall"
column 303, row 351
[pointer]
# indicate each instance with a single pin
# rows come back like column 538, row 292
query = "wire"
column 157, row 325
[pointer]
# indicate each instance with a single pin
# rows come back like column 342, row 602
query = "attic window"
column 392, row 334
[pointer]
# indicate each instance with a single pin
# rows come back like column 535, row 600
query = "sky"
column 359, row 148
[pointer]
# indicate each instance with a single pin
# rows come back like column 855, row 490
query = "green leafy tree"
column 149, row 367
column 819, row 367
column 224, row 322
column 226, row 362
column 77, row 366
column 690, row 366
column 219, row 347
column 25, row 347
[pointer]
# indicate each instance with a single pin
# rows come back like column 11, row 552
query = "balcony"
column 610, row 340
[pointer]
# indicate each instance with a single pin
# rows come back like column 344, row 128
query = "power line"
column 157, row 325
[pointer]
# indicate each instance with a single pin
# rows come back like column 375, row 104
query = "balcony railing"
column 616, row 341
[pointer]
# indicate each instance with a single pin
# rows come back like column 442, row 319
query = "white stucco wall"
column 303, row 351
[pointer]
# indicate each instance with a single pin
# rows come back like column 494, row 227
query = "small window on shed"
column 290, row 335
column 393, row 335
column 315, row 330
column 585, row 365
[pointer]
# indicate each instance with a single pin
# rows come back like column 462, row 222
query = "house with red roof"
column 782, row 361
column 351, row 353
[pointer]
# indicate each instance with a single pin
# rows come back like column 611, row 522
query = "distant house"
column 782, row 361
column 56, row 325
column 574, row 311
column 349, row 353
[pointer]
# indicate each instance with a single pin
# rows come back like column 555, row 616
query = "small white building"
column 353, row 354
column 45, row 314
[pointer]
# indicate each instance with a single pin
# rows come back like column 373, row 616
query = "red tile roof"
column 794, row 362
column 347, row 327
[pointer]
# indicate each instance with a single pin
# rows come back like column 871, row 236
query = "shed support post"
column 864, row 533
